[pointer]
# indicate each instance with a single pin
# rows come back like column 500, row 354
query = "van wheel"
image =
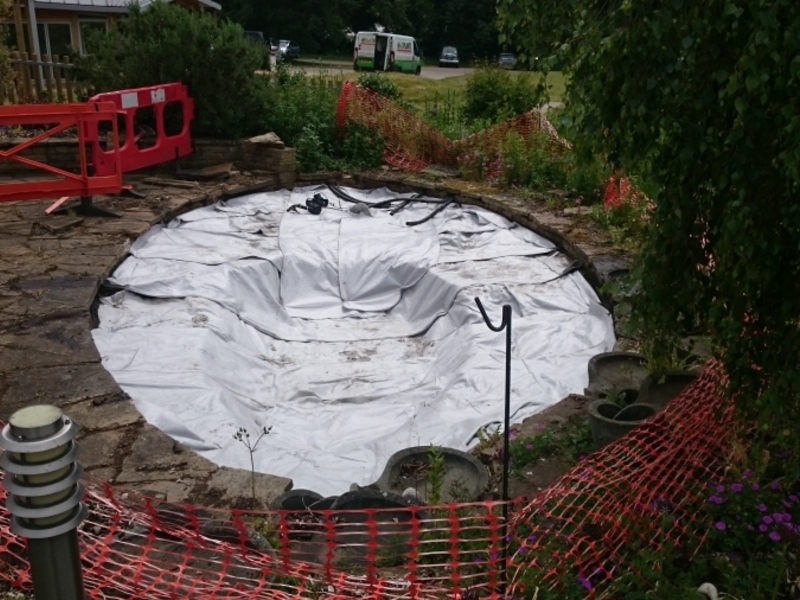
column 418, row 71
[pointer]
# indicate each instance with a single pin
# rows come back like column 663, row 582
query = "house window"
column 11, row 40
column 89, row 31
column 55, row 38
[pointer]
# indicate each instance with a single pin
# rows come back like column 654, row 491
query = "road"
column 333, row 68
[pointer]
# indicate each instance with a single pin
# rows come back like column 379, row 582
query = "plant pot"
column 465, row 477
column 658, row 390
column 611, row 372
column 609, row 421
column 370, row 514
column 295, row 500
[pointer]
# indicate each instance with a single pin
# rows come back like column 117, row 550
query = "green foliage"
column 167, row 43
column 494, row 94
column 319, row 25
column 702, row 99
column 573, row 440
column 6, row 71
column 380, row 84
column 435, row 475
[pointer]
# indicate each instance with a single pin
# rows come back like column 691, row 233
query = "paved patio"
column 51, row 269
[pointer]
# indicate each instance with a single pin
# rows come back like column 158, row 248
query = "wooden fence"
column 51, row 79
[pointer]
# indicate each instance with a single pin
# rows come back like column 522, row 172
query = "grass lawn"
column 419, row 90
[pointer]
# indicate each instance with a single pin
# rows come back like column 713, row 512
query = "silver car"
column 289, row 49
column 507, row 60
column 448, row 57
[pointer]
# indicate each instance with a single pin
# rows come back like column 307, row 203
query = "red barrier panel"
column 166, row 147
column 54, row 182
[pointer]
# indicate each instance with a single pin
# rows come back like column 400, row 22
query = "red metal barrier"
column 57, row 118
column 166, row 147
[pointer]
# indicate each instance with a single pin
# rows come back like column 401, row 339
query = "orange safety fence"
column 634, row 494
column 637, row 493
column 413, row 144
column 47, row 181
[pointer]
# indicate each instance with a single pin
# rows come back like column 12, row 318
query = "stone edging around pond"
column 51, row 272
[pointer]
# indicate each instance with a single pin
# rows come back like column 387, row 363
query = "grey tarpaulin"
column 350, row 333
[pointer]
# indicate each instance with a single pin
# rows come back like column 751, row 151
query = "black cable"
column 435, row 212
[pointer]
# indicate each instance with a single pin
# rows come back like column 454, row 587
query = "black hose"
column 435, row 212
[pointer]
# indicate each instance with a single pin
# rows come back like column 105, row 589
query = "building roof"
column 106, row 6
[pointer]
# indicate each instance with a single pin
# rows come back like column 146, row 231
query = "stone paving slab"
column 51, row 268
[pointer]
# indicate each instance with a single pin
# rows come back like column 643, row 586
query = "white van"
column 374, row 51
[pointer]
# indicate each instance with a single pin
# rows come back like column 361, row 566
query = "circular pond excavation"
column 353, row 333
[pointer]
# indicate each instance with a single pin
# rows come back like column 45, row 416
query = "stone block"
column 62, row 386
column 234, row 485
column 155, row 456
column 98, row 449
column 112, row 411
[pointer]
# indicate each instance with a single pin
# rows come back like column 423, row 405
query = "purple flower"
column 529, row 446
column 778, row 517
column 775, row 536
column 720, row 525
column 584, row 582
column 747, row 473
column 539, row 427
column 762, row 528
column 531, row 538
column 512, row 434
column 793, row 498
column 767, row 519
column 787, row 504
column 755, row 487
column 720, row 489
column 762, row 507
column 775, row 485
column 581, row 457
column 736, row 487
column 787, row 518
column 715, row 500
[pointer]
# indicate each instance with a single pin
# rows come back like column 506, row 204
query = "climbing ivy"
column 702, row 98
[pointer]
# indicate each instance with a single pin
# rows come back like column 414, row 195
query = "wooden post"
column 68, row 77
column 48, row 74
column 20, row 28
column 37, row 75
column 25, row 71
column 58, row 73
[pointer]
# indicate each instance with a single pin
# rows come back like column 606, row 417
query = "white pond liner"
column 352, row 335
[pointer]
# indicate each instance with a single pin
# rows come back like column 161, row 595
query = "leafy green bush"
column 380, row 84
column 494, row 94
column 167, row 43
column 302, row 110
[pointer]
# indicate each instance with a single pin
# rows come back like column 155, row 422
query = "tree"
column 165, row 43
column 703, row 99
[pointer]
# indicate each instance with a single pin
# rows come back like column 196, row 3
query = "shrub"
column 381, row 85
column 494, row 94
column 167, row 43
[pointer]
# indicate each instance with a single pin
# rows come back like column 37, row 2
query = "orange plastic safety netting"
column 413, row 144
column 635, row 493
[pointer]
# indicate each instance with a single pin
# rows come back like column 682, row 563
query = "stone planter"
column 465, row 477
column 609, row 421
column 658, row 390
column 295, row 500
column 612, row 372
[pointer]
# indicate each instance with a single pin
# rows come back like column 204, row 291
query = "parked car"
column 448, row 57
column 289, row 49
column 507, row 60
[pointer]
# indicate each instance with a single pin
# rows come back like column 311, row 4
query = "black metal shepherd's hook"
column 505, row 324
